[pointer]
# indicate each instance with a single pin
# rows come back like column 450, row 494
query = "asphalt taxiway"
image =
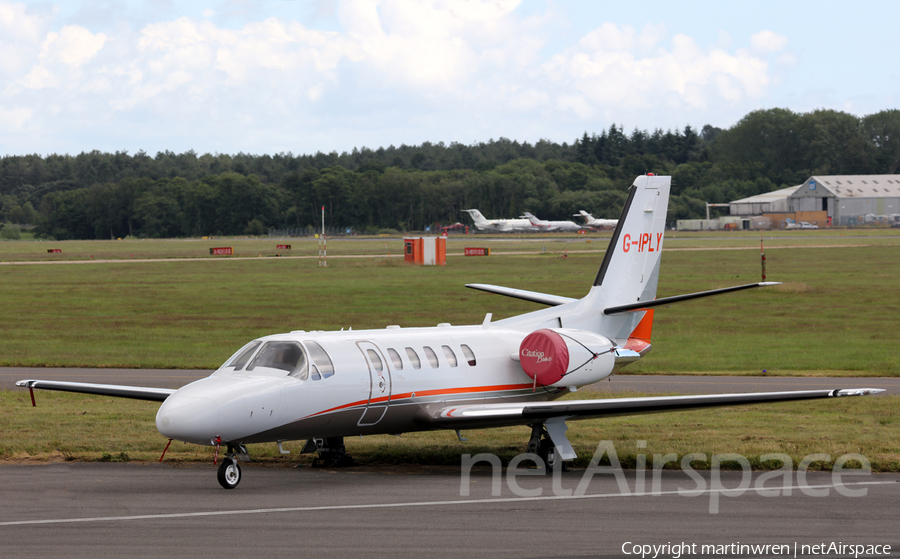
column 129, row 510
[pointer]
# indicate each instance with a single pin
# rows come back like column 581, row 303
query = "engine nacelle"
column 561, row 357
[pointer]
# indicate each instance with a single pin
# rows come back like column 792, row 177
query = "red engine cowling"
column 563, row 357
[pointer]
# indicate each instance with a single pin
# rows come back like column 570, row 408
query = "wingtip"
column 857, row 391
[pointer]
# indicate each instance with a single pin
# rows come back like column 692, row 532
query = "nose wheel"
column 229, row 473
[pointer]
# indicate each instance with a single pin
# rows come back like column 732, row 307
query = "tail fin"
column 628, row 275
column 476, row 216
column 630, row 270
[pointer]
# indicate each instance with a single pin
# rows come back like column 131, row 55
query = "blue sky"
column 304, row 76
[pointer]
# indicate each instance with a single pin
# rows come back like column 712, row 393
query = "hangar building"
column 845, row 199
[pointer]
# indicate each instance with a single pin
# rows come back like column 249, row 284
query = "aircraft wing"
column 486, row 415
column 534, row 296
column 119, row 391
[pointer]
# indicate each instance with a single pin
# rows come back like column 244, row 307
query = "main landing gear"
column 541, row 444
column 332, row 453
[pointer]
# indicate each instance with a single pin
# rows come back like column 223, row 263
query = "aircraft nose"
column 190, row 419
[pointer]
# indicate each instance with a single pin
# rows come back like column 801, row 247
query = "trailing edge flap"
column 640, row 306
column 133, row 392
column 543, row 298
column 517, row 413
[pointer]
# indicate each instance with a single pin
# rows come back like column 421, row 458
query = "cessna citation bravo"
column 323, row 386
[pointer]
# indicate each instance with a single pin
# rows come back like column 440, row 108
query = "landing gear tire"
column 548, row 454
column 229, row 473
column 541, row 444
column 332, row 453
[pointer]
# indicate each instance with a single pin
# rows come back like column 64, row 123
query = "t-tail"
column 477, row 217
column 624, row 290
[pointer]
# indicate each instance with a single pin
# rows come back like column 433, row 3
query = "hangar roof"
column 767, row 196
column 868, row 186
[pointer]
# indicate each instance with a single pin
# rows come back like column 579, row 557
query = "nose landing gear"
column 229, row 474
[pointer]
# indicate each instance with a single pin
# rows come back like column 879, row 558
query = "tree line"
column 95, row 195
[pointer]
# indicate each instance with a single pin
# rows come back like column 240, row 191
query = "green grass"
column 836, row 311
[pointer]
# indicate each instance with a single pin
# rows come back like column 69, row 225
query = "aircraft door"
column 379, row 384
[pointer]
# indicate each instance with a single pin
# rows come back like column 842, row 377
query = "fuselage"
column 301, row 385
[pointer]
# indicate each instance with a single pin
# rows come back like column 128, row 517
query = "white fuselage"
column 383, row 381
column 500, row 225
column 546, row 225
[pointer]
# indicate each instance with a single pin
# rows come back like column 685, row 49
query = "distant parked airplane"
column 500, row 225
column 545, row 225
column 592, row 221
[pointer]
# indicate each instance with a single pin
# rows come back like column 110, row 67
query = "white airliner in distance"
column 323, row 386
column 501, row 225
column 597, row 223
column 545, row 225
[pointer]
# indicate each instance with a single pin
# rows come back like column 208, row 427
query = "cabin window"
column 375, row 359
column 395, row 359
column 286, row 356
column 322, row 367
column 470, row 356
column 413, row 358
column 432, row 357
column 242, row 356
column 448, row 353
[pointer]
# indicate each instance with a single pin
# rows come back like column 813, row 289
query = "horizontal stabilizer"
column 679, row 298
column 133, row 392
column 533, row 296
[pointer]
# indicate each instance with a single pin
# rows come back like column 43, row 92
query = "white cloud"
column 72, row 46
column 612, row 67
column 768, row 42
column 15, row 118
column 383, row 66
column 20, row 34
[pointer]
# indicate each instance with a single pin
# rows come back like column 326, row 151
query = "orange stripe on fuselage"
column 423, row 393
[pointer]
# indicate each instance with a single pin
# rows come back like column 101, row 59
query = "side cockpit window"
column 284, row 356
column 239, row 359
column 322, row 366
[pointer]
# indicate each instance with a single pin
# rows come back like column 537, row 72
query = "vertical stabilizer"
column 630, row 269
column 628, row 274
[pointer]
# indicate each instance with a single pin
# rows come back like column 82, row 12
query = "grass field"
column 836, row 314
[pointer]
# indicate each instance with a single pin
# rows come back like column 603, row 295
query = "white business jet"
column 500, row 225
column 323, row 386
column 545, row 225
column 595, row 222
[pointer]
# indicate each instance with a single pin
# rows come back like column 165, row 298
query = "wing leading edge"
column 519, row 413
column 133, row 392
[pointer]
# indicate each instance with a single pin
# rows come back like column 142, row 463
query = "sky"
column 307, row 76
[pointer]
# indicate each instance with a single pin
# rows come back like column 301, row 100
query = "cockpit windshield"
column 239, row 359
column 285, row 356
